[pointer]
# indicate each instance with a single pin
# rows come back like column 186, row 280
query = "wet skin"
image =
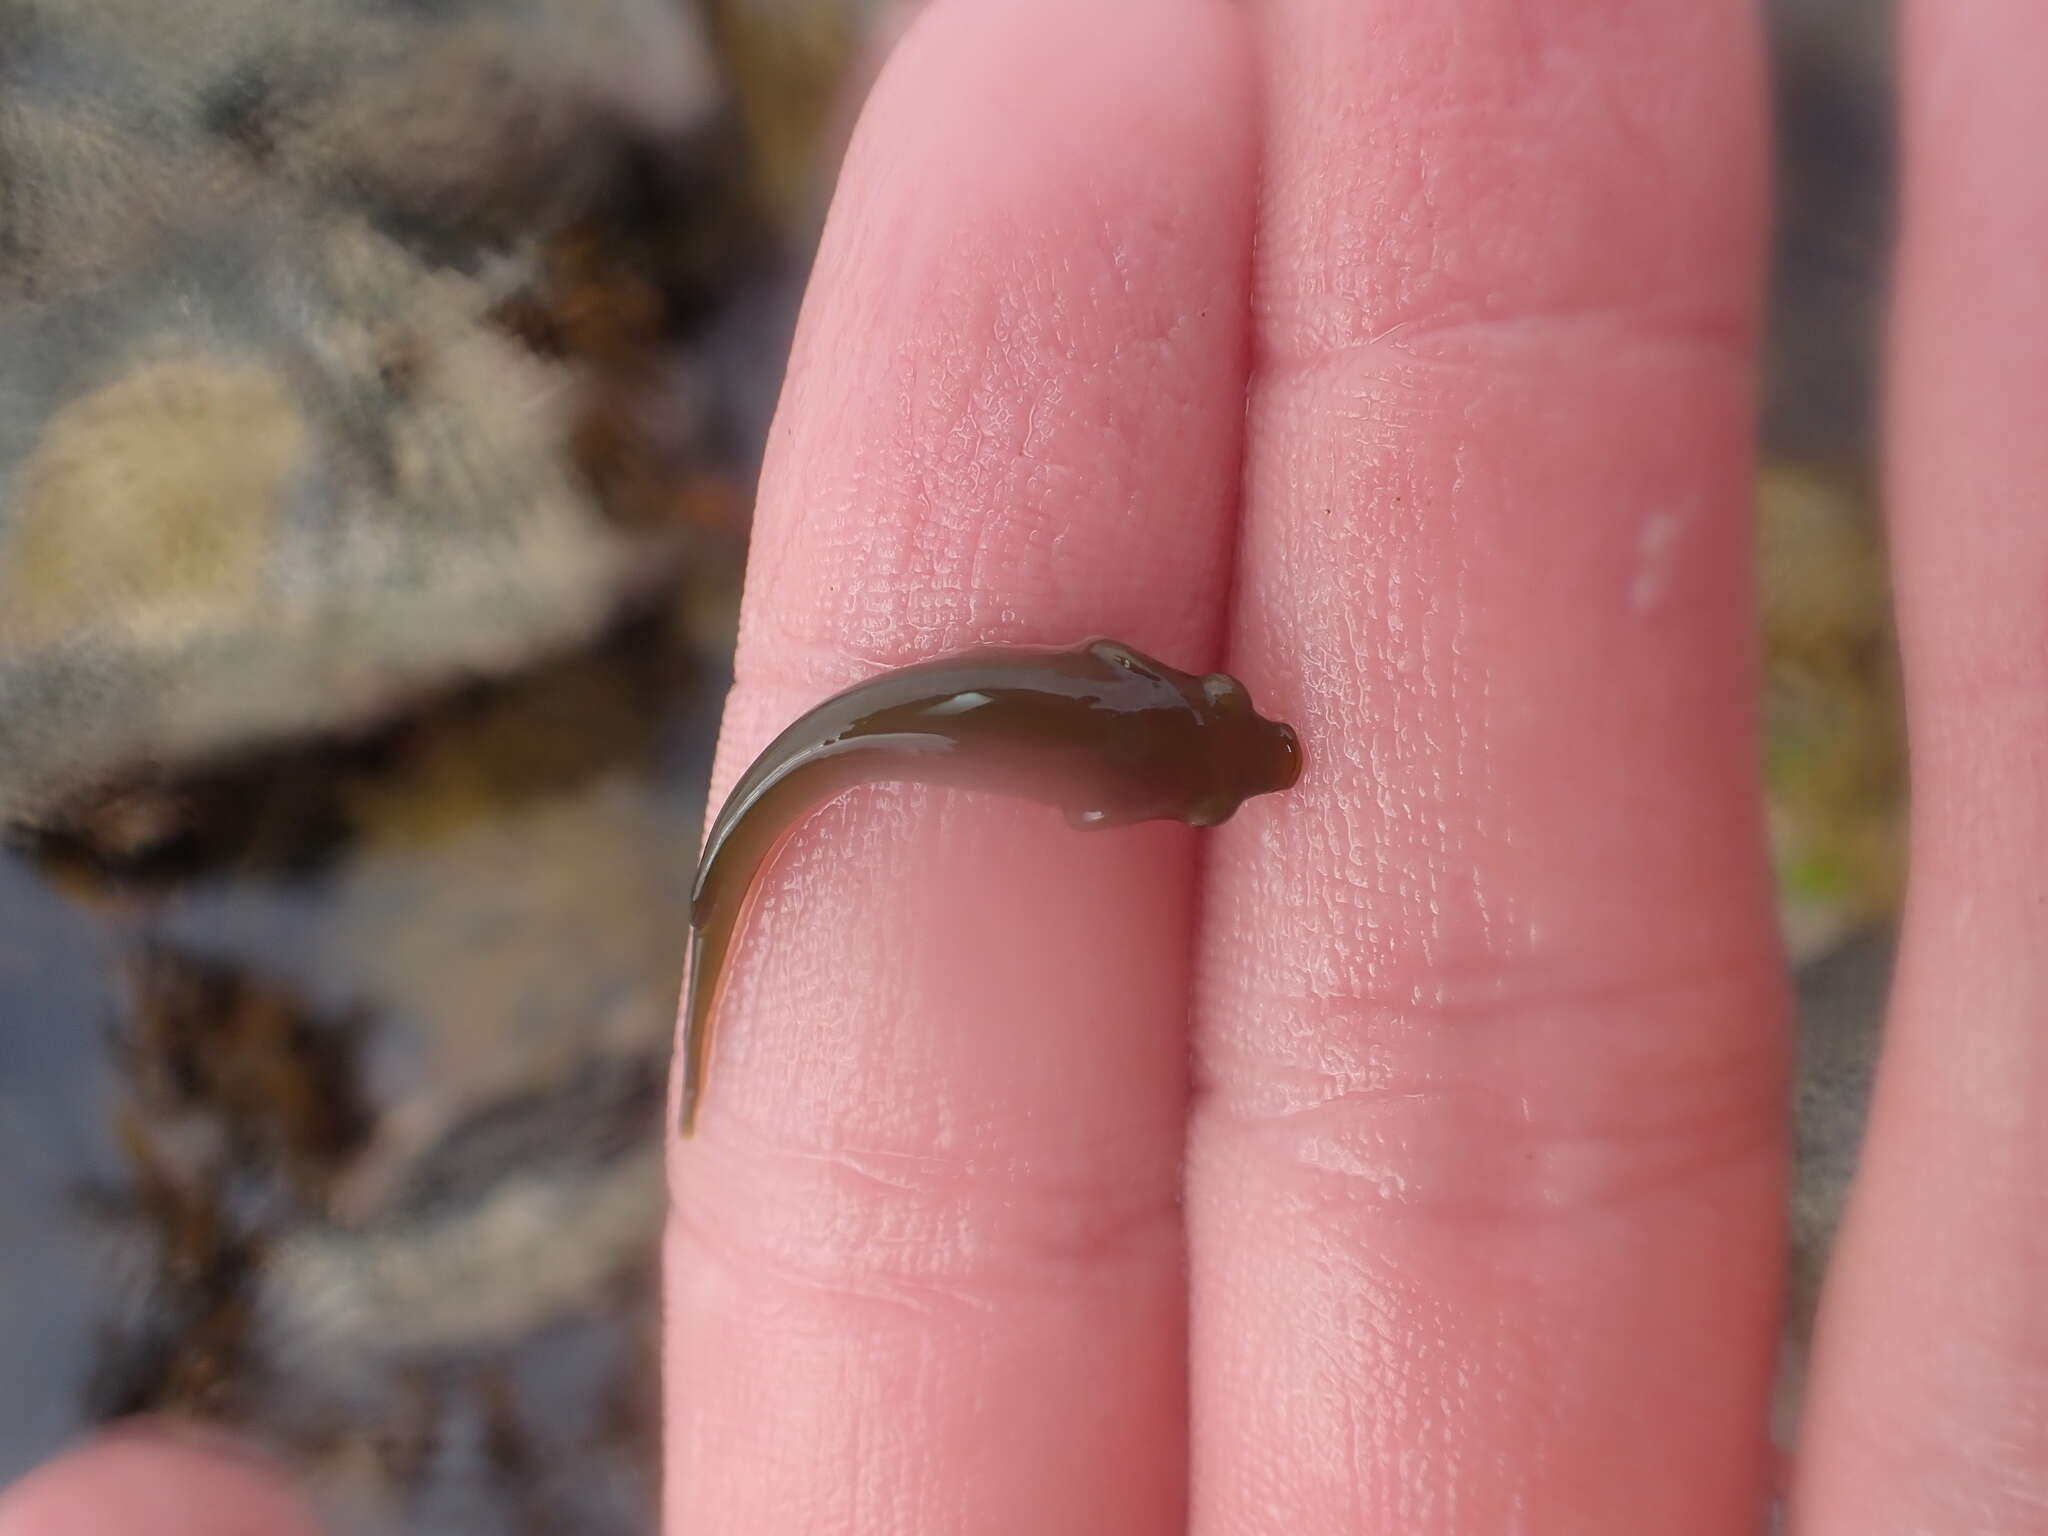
column 1102, row 733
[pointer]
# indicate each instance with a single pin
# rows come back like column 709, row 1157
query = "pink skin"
column 926, row 1262
column 1930, row 1405
column 135, row 1484
column 1490, row 1036
column 1467, row 1218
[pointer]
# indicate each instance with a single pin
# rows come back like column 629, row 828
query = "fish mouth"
column 1282, row 768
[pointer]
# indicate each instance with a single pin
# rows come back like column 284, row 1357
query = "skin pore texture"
column 1104, row 734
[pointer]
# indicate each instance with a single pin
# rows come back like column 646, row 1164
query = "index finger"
column 925, row 1256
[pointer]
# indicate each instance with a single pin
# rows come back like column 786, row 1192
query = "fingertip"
column 149, row 1480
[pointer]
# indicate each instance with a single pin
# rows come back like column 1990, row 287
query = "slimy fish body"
column 1107, row 736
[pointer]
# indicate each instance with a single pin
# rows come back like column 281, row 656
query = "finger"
column 134, row 1484
column 1484, row 1184
column 1929, row 1403
column 925, row 1258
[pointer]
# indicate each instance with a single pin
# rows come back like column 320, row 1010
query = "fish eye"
column 1125, row 659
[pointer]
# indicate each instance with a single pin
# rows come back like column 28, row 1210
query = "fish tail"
column 696, row 1045
column 742, row 841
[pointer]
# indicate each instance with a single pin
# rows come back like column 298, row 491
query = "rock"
column 798, row 69
column 357, row 413
column 1834, row 719
column 382, row 1184
column 1842, row 999
column 1834, row 178
column 296, row 482
column 507, row 905
column 466, row 125
column 272, row 462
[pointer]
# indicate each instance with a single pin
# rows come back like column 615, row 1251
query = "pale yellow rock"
column 148, row 506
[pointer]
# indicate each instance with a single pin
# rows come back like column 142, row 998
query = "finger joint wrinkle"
column 1505, row 1107
column 932, row 1233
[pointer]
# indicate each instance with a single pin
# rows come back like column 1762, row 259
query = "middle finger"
column 1484, row 1177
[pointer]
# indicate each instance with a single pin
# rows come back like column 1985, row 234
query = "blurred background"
column 381, row 389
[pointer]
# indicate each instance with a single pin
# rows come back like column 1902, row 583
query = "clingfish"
column 1104, row 734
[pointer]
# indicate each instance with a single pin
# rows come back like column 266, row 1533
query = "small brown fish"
column 1102, row 733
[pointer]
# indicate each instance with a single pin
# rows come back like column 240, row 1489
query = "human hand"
column 1466, row 1214
column 1406, row 1155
